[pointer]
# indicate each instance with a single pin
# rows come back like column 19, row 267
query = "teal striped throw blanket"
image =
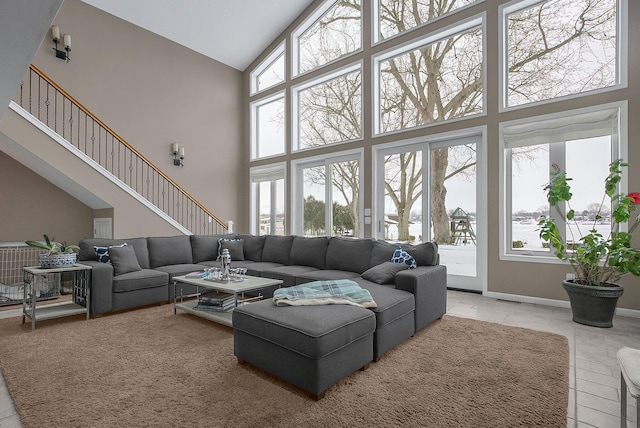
column 333, row 292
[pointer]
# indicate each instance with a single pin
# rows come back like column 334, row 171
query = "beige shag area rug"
column 151, row 368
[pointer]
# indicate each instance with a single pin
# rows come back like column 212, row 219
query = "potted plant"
column 598, row 261
column 58, row 254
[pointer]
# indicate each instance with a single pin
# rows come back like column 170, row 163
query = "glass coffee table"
column 235, row 290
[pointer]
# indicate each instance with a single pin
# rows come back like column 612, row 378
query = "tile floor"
column 594, row 383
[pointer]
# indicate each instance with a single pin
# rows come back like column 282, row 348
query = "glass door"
column 427, row 192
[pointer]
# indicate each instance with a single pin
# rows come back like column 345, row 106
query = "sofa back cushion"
column 309, row 251
column 425, row 254
column 277, row 249
column 169, row 250
column 349, row 254
column 253, row 246
column 204, row 247
column 87, row 251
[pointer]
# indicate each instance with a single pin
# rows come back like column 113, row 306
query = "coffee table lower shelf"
column 221, row 317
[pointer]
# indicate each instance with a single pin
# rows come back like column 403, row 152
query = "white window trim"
column 621, row 63
column 295, row 104
column 264, row 65
column 445, row 33
column 375, row 21
column 253, row 107
column 619, row 150
column 297, row 189
column 479, row 282
column 305, row 25
column 278, row 171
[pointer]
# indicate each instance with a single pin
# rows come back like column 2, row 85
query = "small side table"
column 80, row 302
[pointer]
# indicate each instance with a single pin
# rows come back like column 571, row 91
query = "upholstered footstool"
column 312, row 347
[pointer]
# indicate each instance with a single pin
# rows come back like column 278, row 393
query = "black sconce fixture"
column 178, row 154
column 66, row 40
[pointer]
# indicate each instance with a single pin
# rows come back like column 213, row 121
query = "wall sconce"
column 66, row 40
column 178, row 154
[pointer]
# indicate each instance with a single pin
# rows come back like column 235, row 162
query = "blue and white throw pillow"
column 401, row 256
column 102, row 253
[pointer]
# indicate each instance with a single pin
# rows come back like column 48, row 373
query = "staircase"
column 47, row 106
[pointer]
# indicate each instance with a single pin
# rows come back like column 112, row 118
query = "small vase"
column 592, row 305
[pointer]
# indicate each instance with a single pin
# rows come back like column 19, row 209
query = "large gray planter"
column 591, row 305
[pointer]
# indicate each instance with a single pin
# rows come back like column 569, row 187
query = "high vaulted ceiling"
column 233, row 32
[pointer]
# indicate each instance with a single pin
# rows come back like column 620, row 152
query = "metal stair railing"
column 62, row 113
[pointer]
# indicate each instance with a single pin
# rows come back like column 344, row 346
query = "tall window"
column 582, row 145
column 439, row 78
column 328, row 195
column 334, row 31
column 270, row 72
column 329, row 111
column 559, row 47
column 398, row 16
column 268, row 200
column 268, row 133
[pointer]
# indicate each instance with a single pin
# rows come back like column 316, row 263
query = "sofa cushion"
column 425, row 254
column 349, row 254
column 253, row 246
column 235, row 247
column 277, row 249
column 287, row 274
column 139, row 280
column 384, row 273
column 309, row 251
column 392, row 303
column 123, row 260
column 87, row 251
column 169, row 250
column 324, row 274
column 204, row 247
column 180, row 269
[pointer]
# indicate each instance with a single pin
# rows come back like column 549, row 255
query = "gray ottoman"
column 312, row 347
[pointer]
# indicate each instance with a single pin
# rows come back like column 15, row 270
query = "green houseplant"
column 598, row 261
column 58, row 254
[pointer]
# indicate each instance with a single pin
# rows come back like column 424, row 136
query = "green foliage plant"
column 52, row 246
column 596, row 260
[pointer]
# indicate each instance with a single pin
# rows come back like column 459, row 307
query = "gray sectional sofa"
column 141, row 272
column 312, row 347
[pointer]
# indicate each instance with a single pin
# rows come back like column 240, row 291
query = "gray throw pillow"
column 384, row 273
column 123, row 260
column 235, row 247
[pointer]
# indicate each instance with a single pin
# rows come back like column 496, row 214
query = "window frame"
column 619, row 149
column 297, row 188
column 255, row 135
column 316, row 15
column 622, row 54
column 264, row 66
column 375, row 21
column 459, row 27
column 295, row 104
column 254, row 193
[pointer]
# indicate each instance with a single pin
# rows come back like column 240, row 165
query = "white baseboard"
column 633, row 313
